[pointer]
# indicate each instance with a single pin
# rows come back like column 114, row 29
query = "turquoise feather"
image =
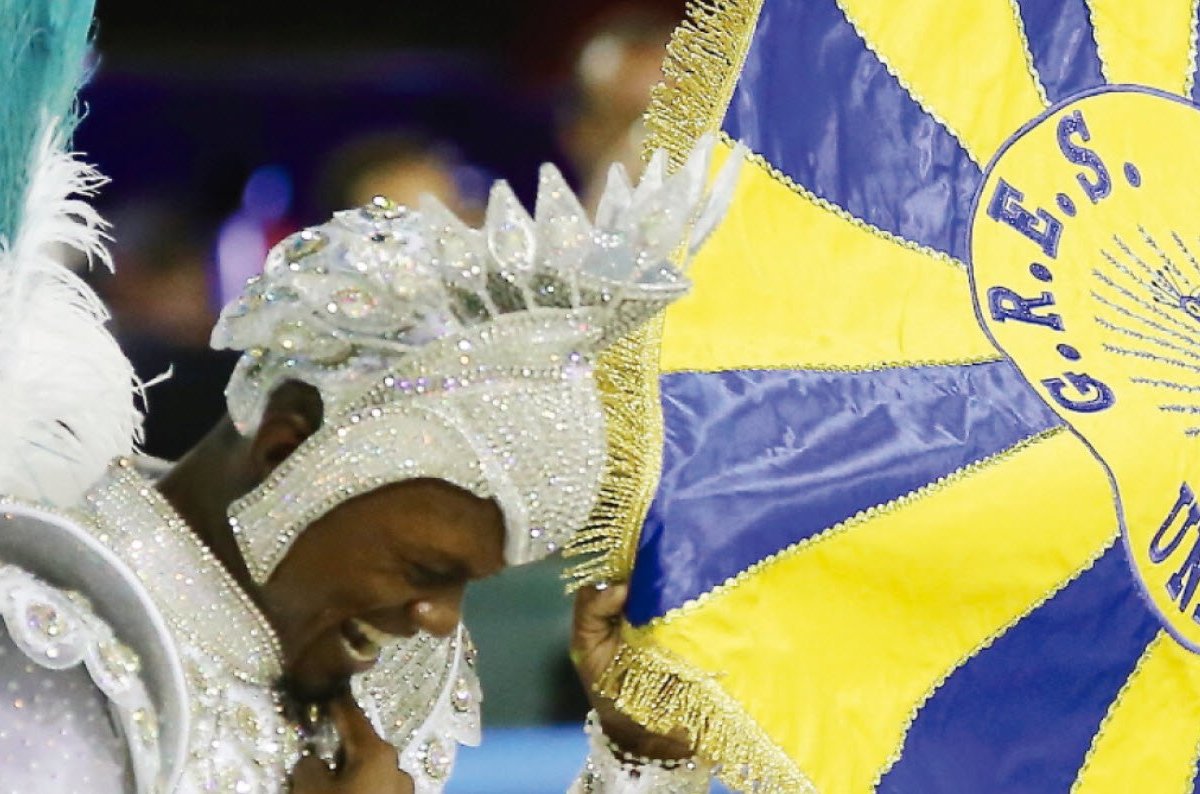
column 43, row 61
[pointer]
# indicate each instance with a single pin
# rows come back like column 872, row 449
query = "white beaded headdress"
column 458, row 354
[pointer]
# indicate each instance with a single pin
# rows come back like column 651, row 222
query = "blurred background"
column 227, row 125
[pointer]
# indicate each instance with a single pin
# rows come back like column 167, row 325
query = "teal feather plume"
column 43, row 62
column 68, row 390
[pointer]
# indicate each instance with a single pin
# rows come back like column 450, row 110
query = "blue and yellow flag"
column 907, row 488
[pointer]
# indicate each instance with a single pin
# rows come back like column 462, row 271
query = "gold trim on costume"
column 704, row 59
column 663, row 693
column 627, row 379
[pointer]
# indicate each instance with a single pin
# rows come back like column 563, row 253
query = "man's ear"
column 293, row 413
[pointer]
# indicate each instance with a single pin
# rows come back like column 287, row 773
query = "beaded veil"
column 459, row 354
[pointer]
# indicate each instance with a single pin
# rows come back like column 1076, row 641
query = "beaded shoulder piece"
column 58, row 630
column 237, row 737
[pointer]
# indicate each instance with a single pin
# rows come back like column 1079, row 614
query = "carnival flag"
column 907, row 489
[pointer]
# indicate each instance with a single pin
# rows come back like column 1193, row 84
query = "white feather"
column 67, row 392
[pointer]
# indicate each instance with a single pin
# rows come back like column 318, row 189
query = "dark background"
column 534, row 35
column 228, row 82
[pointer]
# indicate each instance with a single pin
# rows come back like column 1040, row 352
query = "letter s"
column 1069, row 125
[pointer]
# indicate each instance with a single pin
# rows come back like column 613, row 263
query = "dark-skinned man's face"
column 389, row 563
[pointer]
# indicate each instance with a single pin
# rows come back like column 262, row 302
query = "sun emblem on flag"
column 1082, row 276
column 1148, row 303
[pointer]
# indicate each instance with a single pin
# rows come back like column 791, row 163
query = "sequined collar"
column 202, row 603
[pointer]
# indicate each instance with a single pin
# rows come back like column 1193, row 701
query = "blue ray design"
column 1063, row 45
column 755, row 461
column 1020, row 717
column 819, row 105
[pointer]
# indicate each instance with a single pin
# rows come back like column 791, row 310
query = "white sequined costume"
column 502, row 402
column 194, row 708
column 92, row 697
column 132, row 660
column 57, row 732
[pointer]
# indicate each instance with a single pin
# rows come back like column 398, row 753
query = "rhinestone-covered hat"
column 459, row 354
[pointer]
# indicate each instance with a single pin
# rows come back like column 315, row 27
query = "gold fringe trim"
column 627, row 377
column 664, row 694
column 704, row 59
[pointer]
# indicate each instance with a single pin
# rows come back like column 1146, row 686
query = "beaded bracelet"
column 630, row 761
column 611, row 770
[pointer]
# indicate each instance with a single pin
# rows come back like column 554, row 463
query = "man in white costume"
column 415, row 408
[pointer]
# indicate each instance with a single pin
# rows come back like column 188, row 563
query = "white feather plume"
column 67, row 392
